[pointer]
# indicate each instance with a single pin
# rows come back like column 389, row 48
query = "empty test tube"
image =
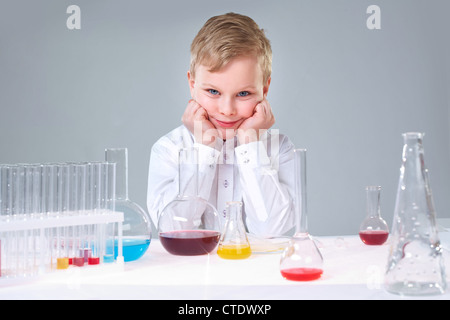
column 6, row 205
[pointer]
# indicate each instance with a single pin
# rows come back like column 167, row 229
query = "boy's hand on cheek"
column 262, row 119
column 196, row 119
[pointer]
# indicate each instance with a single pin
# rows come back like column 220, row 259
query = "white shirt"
column 259, row 174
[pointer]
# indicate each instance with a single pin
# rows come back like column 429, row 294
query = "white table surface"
column 352, row 270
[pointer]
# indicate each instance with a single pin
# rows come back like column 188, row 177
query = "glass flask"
column 415, row 262
column 301, row 260
column 234, row 243
column 137, row 232
column 189, row 225
column 373, row 230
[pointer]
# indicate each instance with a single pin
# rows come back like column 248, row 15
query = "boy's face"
column 231, row 94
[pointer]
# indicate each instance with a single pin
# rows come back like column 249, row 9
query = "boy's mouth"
column 227, row 124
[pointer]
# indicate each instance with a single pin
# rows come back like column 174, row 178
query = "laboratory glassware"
column 137, row 231
column 44, row 213
column 373, row 230
column 415, row 261
column 189, row 225
column 6, row 194
column 62, row 233
column 233, row 242
column 301, row 260
column 107, row 234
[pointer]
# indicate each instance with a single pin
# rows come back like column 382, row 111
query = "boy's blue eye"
column 243, row 94
column 213, row 91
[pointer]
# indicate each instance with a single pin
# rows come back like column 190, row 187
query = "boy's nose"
column 227, row 107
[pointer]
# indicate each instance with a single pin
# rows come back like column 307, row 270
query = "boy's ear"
column 191, row 83
column 266, row 87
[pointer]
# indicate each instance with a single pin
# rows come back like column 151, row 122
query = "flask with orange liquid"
column 234, row 243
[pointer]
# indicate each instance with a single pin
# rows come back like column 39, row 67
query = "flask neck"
column 234, row 211
column 413, row 166
column 234, row 226
column 301, row 224
column 412, row 144
column 373, row 201
column 119, row 156
column 187, row 172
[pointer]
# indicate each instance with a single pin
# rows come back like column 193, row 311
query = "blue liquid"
column 108, row 259
column 132, row 249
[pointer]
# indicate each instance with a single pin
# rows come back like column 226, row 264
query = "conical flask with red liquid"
column 415, row 261
column 189, row 225
column 301, row 259
column 373, row 230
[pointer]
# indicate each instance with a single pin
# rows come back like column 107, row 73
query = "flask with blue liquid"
column 137, row 232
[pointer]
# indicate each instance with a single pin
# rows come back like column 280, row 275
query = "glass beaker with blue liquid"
column 136, row 225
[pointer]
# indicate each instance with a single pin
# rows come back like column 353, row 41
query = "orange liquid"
column 62, row 263
column 234, row 252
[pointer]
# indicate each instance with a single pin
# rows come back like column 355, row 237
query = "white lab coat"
column 259, row 174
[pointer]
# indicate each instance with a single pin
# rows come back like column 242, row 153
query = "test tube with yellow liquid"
column 233, row 242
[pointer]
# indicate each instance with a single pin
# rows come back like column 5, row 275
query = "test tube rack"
column 36, row 245
column 54, row 215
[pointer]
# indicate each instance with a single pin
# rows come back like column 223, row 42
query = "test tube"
column 5, row 193
column 93, row 201
column 89, row 207
column 62, row 259
column 78, row 208
column 50, row 207
column 108, row 232
column 3, row 215
column 48, row 183
column 100, row 181
column 7, row 262
column 34, row 187
column 18, row 213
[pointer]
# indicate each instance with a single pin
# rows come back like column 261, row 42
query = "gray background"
column 344, row 92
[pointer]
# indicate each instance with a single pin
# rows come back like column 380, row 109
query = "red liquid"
column 302, row 274
column 189, row 242
column 94, row 260
column 374, row 237
column 79, row 262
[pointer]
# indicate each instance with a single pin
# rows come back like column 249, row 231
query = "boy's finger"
column 192, row 107
column 260, row 109
column 200, row 114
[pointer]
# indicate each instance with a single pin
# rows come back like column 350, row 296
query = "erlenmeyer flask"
column 301, row 260
column 189, row 225
column 415, row 263
column 137, row 232
column 373, row 230
column 233, row 241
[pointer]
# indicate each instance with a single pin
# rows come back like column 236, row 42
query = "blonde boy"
column 228, row 119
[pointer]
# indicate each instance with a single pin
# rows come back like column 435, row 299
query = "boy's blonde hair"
column 226, row 37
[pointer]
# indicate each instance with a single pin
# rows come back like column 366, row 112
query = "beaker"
column 373, row 230
column 301, row 260
column 137, row 232
column 415, row 263
column 234, row 243
column 189, row 225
